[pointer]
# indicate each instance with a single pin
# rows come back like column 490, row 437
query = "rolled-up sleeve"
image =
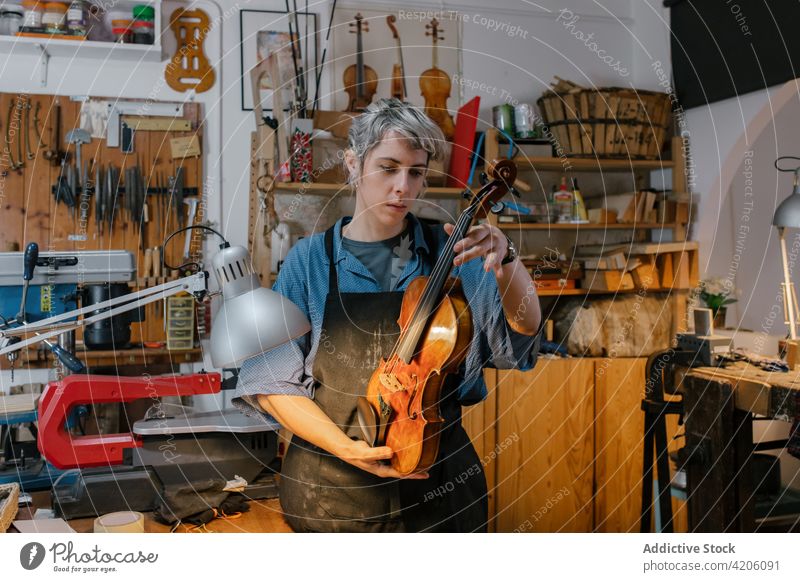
column 280, row 370
column 494, row 343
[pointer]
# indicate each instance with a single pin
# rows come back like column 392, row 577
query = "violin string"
column 441, row 269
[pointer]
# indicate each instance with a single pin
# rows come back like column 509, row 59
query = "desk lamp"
column 787, row 215
column 250, row 321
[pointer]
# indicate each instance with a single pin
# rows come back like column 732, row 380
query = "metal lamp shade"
column 252, row 320
column 787, row 215
column 253, row 323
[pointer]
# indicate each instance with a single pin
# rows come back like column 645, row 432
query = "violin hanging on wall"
column 360, row 80
column 399, row 90
column 401, row 408
column 435, row 86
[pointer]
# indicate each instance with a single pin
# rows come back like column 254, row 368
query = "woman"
column 349, row 282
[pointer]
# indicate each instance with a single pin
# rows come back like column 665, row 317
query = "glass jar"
column 33, row 14
column 54, row 18
column 76, row 18
column 143, row 32
column 121, row 29
column 11, row 19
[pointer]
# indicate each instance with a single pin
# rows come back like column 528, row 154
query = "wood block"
column 792, row 354
column 602, row 216
column 336, row 122
column 681, row 266
column 666, row 270
column 18, row 403
column 607, row 281
column 645, row 276
column 682, row 212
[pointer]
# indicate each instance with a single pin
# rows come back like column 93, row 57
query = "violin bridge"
column 391, row 383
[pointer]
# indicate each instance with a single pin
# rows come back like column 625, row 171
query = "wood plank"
column 619, row 434
column 479, row 423
column 545, row 447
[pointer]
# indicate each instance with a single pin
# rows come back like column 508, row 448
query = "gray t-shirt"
column 385, row 259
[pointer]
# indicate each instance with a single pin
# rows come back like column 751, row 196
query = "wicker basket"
column 8, row 506
column 608, row 122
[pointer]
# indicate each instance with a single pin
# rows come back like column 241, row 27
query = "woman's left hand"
column 483, row 240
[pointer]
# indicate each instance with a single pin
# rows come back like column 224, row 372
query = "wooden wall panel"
column 545, row 445
column 28, row 212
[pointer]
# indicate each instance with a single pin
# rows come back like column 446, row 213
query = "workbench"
column 720, row 405
column 265, row 516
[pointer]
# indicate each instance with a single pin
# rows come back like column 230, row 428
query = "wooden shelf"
column 579, row 292
column 90, row 49
column 320, row 188
column 590, row 164
column 33, row 358
column 587, row 226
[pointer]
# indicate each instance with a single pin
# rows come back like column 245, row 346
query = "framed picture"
column 264, row 31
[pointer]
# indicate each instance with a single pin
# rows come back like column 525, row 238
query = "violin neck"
column 359, row 65
column 435, row 59
column 410, row 336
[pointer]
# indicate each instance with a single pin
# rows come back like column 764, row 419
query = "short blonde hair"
column 386, row 115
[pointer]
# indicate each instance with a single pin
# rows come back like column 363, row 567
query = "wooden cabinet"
column 562, row 446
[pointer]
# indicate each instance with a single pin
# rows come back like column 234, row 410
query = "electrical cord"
column 197, row 267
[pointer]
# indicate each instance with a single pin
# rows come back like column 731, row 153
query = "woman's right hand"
column 367, row 458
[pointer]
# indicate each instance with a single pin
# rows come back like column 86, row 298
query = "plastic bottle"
column 579, row 213
column 563, row 201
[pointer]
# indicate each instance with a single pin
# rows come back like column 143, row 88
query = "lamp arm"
column 194, row 284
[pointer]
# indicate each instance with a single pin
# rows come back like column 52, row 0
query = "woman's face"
column 391, row 179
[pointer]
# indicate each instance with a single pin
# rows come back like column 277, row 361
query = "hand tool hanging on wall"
column 36, row 123
column 99, row 199
column 27, row 128
column 55, row 155
column 11, row 135
column 191, row 214
column 78, row 137
column 176, row 195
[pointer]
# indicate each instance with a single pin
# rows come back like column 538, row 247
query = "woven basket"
column 8, row 506
column 608, row 122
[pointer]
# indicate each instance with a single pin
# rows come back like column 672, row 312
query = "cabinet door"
column 619, row 434
column 545, row 447
column 479, row 423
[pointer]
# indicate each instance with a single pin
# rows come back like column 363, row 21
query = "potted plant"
column 716, row 294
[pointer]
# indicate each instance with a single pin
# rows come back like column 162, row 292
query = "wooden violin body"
column 401, row 406
column 360, row 80
column 434, row 84
column 360, row 95
column 398, row 75
column 413, row 390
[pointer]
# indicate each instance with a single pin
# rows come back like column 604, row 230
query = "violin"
column 435, row 86
column 360, row 80
column 398, row 71
column 401, row 406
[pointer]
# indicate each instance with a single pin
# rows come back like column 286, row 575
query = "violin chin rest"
column 368, row 419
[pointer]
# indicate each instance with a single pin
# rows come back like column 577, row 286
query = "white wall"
column 514, row 67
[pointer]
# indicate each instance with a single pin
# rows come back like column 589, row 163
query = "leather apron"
column 321, row 493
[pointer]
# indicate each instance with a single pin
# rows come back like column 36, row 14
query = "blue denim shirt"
column 303, row 279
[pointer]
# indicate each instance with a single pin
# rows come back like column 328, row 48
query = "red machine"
column 66, row 451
